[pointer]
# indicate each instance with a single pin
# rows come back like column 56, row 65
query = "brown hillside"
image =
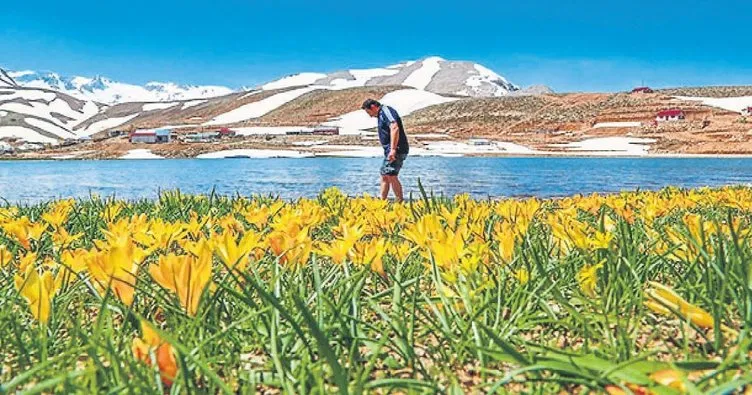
column 540, row 121
column 321, row 105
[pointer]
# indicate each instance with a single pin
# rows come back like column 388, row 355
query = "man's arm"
column 394, row 141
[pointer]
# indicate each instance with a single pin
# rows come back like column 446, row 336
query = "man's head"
column 372, row 107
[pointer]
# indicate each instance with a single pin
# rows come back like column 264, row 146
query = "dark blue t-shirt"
column 387, row 115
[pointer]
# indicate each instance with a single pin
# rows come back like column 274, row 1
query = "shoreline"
column 317, row 155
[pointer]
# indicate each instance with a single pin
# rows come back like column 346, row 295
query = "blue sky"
column 576, row 45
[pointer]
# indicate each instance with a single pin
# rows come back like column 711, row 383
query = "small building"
column 30, row 147
column 5, row 148
column 642, row 89
column 301, row 132
column 670, row 115
column 84, row 139
column 201, row 137
column 163, row 135
column 747, row 111
column 115, row 133
column 226, row 132
column 479, row 142
column 143, row 136
column 326, row 131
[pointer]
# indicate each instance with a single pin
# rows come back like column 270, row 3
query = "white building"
column 479, row 142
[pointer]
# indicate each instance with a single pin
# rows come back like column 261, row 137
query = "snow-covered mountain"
column 6, row 80
column 104, row 90
column 40, row 115
column 432, row 74
column 47, row 107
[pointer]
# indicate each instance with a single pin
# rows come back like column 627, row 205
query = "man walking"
column 393, row 139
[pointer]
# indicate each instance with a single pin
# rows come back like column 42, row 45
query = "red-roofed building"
column 226, row 132
column 747, row 111
column 326, row 130
column 143, row 136
column 642, row 89
column 670, row 115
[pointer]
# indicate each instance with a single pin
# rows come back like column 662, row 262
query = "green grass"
column 328, row 328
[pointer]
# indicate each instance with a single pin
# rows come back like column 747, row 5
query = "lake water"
column 31, row 181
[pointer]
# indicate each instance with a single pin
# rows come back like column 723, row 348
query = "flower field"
column 640, row 292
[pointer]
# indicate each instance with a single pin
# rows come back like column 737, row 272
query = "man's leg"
column 385, row 187
column 397, row 187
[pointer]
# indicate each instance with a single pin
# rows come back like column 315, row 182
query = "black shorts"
column 393, row 168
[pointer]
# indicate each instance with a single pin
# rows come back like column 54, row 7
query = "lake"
column 33, row 181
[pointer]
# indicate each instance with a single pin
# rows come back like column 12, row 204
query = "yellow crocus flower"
column 24, row 231
column 38, row 292
column 163, row 351
column 58, row 214
column 600, row 240
column 5, row 256
column 522, row 275
column 61, row 239
column 663, row 300
column 27, row 260
column 185, row 275
column 116, row 269
column 588, row 278
column 236, row 254
column 371, row 253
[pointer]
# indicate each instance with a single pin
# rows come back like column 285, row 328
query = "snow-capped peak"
column 432, row 74
column 105, row 90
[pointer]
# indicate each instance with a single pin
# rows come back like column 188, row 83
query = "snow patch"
column 405, row 101
column 259, row 108
column 90, row 109
column 484, row 76
column 24, row 133
column 362, row 76
column 105, row 124
column 736, row 104
column 309, row 143
column 50, row 128
column 193, row 103
column 140, row 154
column 158, row 106
column 301, row 79
column 420, row 78
column 251, row 93
column 42, row 105
column 611, row 146
column 29, row 94
column 601, row 125
column 39, row 110
column 488, row 73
